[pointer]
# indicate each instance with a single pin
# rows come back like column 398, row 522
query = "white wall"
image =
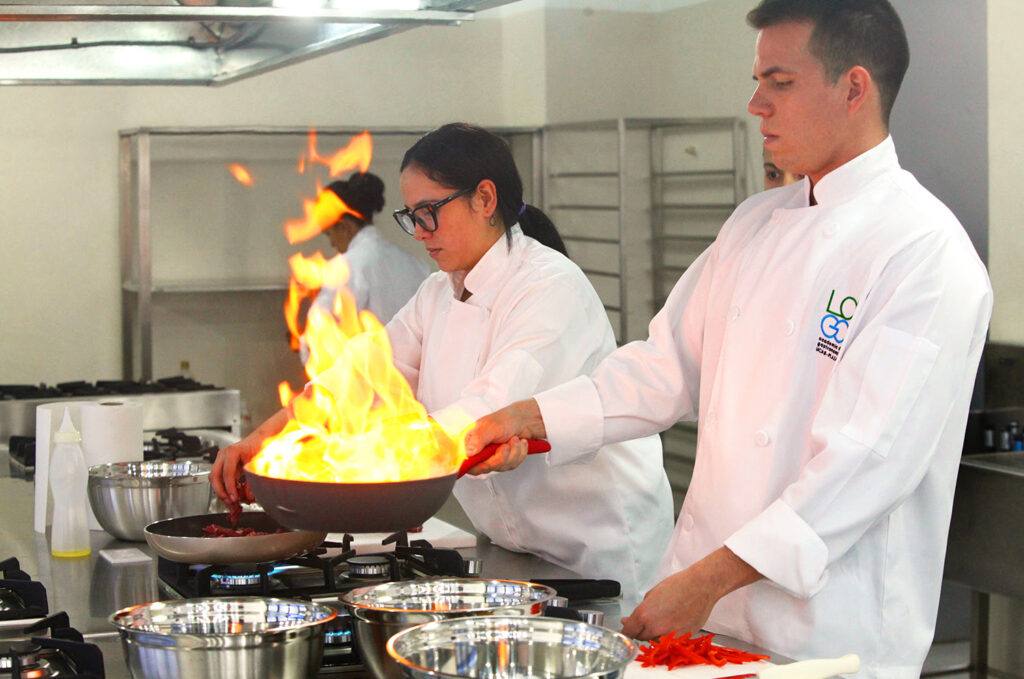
column 1006, row 171
column 1006, row 250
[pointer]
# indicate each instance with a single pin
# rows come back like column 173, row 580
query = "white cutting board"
column 438, row 533
column 636, row 671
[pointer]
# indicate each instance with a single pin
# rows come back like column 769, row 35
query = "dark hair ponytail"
column 363, row 192
column 460, row 156
column 537, row 225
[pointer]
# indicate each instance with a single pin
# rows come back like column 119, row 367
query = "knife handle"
column 813, row 669
column 581, row 589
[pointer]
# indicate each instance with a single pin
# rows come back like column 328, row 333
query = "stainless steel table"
column 986, row 539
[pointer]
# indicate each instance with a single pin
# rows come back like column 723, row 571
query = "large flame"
column 357, row 421
column 327, row 208
column 357, row 154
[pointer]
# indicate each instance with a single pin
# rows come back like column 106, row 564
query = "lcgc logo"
column 834, row 324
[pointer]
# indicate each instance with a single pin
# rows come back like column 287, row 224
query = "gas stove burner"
column 26, row 650
column 371, row 566
column 63, row 653
column 24, row 655
column 235, row 581
column 237, row 578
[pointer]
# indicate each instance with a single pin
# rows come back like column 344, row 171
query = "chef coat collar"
column 491, row 268
column 848, row 179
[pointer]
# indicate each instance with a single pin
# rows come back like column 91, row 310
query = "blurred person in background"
column 382, row 276
column 774, row 177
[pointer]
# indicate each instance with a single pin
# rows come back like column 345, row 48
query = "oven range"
column 169, row 403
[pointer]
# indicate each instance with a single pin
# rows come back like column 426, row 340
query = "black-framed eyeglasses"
column 424, row 216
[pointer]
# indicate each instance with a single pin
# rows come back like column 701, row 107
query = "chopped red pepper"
column 215, row 531
column 673, row 651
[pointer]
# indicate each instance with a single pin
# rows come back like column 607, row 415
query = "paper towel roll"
column 48, row 419
column 111, row 432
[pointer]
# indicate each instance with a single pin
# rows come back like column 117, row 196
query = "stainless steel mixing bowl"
column 511, row 648
column 128, row 496
column 381, row 611
column 217, row 638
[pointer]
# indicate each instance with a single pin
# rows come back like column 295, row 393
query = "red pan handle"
column 533, row 446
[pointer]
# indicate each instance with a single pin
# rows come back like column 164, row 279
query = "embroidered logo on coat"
column 834, row 325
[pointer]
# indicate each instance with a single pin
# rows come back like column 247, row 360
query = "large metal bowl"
column 128, row 496
column 381, row 611
column 215, row 638
column 511, row 648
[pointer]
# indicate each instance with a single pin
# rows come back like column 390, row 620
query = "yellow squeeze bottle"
column 68, row 480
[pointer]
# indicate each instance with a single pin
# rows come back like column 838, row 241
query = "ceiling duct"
column 197, row 42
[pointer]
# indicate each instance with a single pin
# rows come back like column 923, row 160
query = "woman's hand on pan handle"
column 226, row 476
column 510, row 426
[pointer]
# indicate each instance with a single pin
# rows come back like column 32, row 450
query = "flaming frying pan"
column 361, row 507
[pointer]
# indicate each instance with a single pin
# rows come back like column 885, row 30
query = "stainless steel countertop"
column 90, row 588
column 1006, row 463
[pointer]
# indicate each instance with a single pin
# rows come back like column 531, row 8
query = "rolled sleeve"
column 781, row 546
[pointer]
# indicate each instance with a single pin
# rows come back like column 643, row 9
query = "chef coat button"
column 790, row 326
column 687, row 521
column 734, row 313
column 762, row 438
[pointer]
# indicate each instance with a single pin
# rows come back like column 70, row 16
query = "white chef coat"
column 382, row 277
column 830, row 353
column 533, row 321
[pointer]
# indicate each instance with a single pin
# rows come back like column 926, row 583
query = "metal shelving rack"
column 593, row 269
column 669, row 171
column 138, row 286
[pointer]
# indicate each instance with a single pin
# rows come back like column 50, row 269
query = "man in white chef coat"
column 827, row 344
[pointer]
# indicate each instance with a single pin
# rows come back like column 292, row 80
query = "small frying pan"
column 183, row 540
column 361, row 507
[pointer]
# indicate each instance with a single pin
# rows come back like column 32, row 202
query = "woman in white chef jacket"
column 505, row 317
column 381, row 276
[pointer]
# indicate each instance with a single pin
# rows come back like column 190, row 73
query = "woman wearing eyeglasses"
column 508, row 315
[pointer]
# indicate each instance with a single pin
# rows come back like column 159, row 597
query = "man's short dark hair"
column 848, row 33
